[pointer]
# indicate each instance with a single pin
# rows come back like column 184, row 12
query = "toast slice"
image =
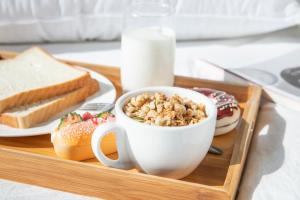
column 35, row 75
column 30, row 115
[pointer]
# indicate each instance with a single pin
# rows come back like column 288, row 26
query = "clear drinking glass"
column 148, row 44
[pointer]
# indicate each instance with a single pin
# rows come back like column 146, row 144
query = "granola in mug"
column 158, row 109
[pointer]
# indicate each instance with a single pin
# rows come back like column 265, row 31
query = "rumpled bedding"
column 23, row 21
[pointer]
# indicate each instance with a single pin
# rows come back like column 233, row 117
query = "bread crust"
column 45, row 112
column 78, row 153
column 38, row 94
column 84, row 152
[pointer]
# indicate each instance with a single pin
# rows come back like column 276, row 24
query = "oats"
column 160, row 110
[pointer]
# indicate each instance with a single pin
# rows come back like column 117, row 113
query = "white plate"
column 107, row 94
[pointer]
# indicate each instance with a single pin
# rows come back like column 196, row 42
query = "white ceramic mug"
column 172, row 152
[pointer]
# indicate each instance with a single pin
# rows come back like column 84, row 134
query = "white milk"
column 147, row 57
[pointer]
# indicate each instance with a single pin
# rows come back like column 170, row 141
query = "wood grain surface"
column 32, row 160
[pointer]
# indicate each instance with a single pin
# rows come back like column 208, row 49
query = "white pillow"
column 232, row 18
column 74, row 20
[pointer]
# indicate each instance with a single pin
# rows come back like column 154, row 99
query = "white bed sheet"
column 36, row 21
column 273, row 165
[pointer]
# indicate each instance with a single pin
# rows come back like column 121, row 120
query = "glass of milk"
column 148, row 44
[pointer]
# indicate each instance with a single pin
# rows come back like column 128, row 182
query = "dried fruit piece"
column 68, row 119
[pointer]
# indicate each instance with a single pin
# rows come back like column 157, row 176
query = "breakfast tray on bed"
column 32, row 160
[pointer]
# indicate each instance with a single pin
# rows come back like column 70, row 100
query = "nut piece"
column 160, row 110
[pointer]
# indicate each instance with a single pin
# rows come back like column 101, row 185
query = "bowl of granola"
column 163, row 131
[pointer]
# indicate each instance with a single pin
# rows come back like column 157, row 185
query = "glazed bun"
column 229, row 113
column 74, row 142
column 72, row 138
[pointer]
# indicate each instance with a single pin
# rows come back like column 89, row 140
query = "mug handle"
column 123, row 161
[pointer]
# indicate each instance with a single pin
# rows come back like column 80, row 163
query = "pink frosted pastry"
column 228, row 109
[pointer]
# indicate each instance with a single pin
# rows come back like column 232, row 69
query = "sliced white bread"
column 30, row 115
column 35, row 75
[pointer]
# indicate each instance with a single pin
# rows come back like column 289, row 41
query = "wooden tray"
column 32, row 160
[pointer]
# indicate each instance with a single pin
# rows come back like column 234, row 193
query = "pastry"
column 72, row 138
column 228, row 109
